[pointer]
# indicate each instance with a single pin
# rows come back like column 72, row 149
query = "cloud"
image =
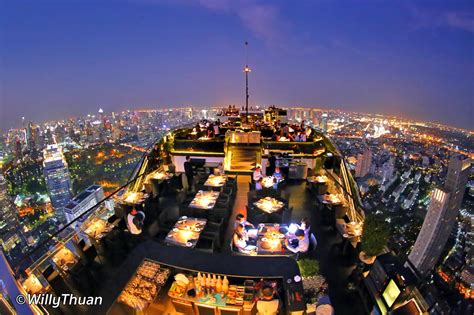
column 457, row 19
column 460, row 20
column 263, row 20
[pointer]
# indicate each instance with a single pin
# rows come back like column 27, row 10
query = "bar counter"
column 283, row 268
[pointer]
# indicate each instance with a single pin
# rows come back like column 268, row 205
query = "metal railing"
column 31, row 261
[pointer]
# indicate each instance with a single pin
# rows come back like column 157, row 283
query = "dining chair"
column 183, row 307
column 204, row 309
column 222, row 310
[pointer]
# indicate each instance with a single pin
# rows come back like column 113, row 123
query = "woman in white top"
column 135, row 221
column 257, row 174
column 240, row 240
column 305, row 226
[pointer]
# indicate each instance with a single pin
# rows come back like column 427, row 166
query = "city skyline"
column 65, row 59
column 236, row 156
column 24, row 121
column 391, row 168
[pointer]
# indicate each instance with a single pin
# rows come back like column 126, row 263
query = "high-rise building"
column 57, row 178
column 441, row 216
column 84, row 201
column 364, row 162
column 10, row 229
column 388, row 169
column 324, row 122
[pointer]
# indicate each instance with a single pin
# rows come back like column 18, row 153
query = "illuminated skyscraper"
column 84, row 201
column 57, row 177
column 324, row 122
column 441, row 216
column 364, row 162
column 10, row 229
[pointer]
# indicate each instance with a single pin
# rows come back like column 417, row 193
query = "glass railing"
column 60, row 246
column 347, row 186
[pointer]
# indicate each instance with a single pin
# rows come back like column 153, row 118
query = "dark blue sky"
column 69, row 57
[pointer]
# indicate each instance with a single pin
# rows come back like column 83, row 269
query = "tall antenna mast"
column 247, row 71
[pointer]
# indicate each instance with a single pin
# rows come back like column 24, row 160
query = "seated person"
column 219, row 170
column 305, row 226
column 267, row 305
column 135, row 221
column 240, row 219
column 303, row 243
column 257, row 174
column 278, row 175
column 258, row 184
column 241, row 240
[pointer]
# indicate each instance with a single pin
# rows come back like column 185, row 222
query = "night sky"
column 66, row 58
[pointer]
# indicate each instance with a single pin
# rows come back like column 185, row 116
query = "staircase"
column 243, row 158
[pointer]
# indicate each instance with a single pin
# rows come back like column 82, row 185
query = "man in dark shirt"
column 189, row 172
column 154, row 157
column 271, row 164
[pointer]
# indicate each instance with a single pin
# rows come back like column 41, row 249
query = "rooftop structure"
column 441, row 215
column 10, row 230
column 57, row 177
column 190, row 188
column 83, row 201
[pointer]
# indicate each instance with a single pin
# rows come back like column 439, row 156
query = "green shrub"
column 375, row 235
column 308, row 267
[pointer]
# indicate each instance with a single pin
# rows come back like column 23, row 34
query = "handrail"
column 133, row 178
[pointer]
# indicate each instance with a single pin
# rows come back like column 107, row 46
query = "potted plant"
column 374, row 238
column 313, row 282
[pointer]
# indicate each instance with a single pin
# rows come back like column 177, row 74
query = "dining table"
column 331, row 199
column 269, row 181
column 160, row 175
column 215, row 181
column 65, row 259
column 269, row 204
column 98, row 228
column 350, row 229
column 186, row 232
column 319, row 179
column 271, row 239
column 205, row 200
column 32, row 284
column 134, row 198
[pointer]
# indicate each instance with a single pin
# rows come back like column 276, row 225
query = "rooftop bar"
column 211, row 201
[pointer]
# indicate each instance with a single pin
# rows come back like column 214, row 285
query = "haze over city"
column 68, row 58
column 236, row 157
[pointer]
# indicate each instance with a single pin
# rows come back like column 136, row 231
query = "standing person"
column 267, row 305
column 154, row 157
column 189, row 171
column 271, row 163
